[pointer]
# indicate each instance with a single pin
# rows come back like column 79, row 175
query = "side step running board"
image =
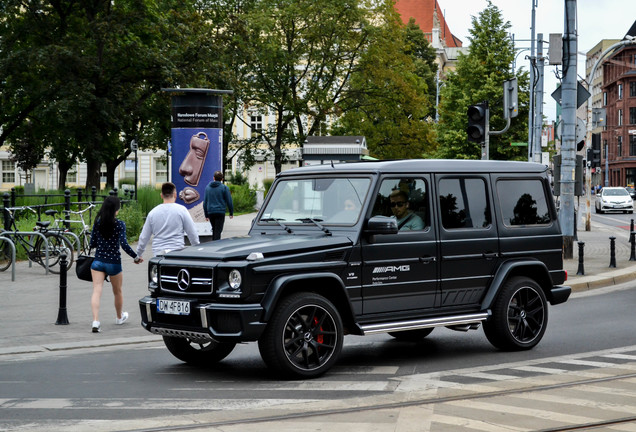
column 451, row 320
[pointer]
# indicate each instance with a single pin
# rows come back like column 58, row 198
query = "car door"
column 400, row 271
column 469, row 245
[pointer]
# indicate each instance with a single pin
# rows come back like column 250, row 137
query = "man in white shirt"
column 167, row 222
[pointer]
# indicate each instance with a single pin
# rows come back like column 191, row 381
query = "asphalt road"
column 135, row 386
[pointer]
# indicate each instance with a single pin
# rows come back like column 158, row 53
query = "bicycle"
column 84, row 235
column 34, row 244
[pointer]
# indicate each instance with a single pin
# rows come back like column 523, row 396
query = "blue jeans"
column 109, row 268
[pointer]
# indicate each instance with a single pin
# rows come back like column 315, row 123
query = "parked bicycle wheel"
column 6, row 257
column 57, row 244
column 85, row 241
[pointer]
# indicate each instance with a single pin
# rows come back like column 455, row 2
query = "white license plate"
column 173, row 307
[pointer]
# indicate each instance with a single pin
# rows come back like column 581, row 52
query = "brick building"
column 618, row 140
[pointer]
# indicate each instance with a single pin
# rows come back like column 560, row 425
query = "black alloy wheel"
column 304, row 337
column 198, row 353
column 519, row 316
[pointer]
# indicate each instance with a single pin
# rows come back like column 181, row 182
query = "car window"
column 405, row 199
column 523, row 202
column 464, row 203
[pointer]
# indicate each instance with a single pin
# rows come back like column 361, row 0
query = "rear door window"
column 523, row 202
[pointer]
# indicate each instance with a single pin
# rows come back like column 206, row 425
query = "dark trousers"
column 217, row 221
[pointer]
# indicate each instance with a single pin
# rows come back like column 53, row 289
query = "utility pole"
column 568, row 147
column 532, row 90
column 538, row 118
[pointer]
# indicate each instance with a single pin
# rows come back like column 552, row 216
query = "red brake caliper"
column 320, row 337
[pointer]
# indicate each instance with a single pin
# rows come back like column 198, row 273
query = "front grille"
column 186, row 280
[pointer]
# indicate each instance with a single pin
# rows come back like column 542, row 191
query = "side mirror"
column 382, row 225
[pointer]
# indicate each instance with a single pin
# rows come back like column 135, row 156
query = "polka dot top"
column 107, row 249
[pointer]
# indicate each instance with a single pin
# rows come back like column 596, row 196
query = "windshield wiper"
column 315, row 222
column 278, row 221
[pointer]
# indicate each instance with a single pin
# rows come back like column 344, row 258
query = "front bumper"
column 617, row 207
column 206, row 321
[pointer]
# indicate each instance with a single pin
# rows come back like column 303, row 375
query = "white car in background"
column 614, row 199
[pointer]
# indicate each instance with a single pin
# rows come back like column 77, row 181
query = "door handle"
column 490, row 255
column 427, row 260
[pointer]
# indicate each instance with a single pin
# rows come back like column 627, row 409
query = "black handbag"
column 83, row 267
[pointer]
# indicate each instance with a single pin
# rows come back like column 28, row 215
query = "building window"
column 129, row 169
column 619, row 140
column 632, row 115
column 632, row 145
column 620, row 91
column 71, row 175
column 8, row 171
column 604, row 149
column 103, row 173
column 632, row 89
column 620, row 117
column 161, row 171
column 256, row 124
column 604, row 98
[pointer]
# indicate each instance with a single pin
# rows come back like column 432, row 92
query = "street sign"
column 582, row 95
column 519, row 144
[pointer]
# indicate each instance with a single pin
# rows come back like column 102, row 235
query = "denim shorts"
column 109, row 268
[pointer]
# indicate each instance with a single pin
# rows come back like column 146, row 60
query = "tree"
column 390, row 101
column 479, row 76
column 303, row 55
column 89, row 73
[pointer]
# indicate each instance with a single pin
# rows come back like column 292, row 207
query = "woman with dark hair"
column 109, row 233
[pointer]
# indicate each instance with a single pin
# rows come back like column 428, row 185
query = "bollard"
column 631, row 225
column 581, row 270
column 62, row 318
column 632, row 240
column 612, row 252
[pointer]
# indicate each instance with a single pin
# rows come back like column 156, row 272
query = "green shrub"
column 267, row 183
column 243, row 198
column 133, row 216
column 238, row 179
column 148, row 197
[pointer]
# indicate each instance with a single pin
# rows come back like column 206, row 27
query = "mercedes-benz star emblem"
column 183, row 279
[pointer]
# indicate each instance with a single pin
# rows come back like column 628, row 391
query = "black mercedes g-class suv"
column 360, row 248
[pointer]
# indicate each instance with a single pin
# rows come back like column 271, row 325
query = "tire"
column 57, row 244
column 195, row 353
column 519, row 316
column 303, row 338
column 85, row 241
column 6, row 256
column 412, row 335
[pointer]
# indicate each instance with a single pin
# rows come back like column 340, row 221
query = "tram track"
column 421, row 402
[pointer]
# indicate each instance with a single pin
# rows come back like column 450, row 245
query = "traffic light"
column 594, row 157
column 477, row 121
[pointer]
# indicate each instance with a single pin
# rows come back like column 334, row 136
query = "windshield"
column 615, row 192
column 311, row 200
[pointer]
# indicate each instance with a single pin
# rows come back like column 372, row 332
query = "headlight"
column 234, row 279
column 154, row 274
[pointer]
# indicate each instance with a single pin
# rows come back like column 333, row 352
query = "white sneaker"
column 124, row 317
column 96, row 327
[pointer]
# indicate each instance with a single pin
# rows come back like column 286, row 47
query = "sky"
column 596, row 20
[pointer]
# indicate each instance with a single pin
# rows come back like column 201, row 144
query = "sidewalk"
column 30, row 305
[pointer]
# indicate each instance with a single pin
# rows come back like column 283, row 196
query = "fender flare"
column 277, row 287
column 540, row 272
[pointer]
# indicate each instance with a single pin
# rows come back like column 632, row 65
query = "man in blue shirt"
column 216, row 199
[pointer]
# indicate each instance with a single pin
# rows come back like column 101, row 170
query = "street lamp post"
column 133, row 147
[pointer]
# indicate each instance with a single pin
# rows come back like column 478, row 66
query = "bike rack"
column 46, row 244
column 8, row 240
